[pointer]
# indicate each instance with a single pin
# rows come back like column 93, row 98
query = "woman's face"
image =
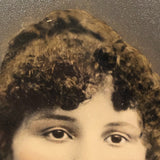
column 92, row 131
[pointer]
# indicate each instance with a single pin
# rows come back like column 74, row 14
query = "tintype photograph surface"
column 79, row 80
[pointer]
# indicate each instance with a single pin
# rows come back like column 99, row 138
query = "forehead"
column 97, row 111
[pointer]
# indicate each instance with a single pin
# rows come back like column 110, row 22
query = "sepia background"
column 137, row 21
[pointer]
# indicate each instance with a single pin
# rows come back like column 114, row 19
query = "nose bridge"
column 89, row 150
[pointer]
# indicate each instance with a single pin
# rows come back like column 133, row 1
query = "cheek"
column 40, row 149
column 27, row 147
column 130, row 152
column 137, row 153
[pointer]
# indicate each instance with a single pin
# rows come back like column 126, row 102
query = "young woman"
column 72, row 89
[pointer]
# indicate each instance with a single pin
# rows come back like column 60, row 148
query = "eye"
column 59, row 135
column 116, row 139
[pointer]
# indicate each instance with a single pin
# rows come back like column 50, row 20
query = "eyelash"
column 119, row 138
column 57, row 135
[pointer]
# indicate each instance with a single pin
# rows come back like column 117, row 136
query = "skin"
column 92, row 131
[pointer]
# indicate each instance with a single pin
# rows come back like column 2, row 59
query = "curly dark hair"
column 61, row 61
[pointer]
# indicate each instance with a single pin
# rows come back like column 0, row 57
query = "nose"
column 89, row 151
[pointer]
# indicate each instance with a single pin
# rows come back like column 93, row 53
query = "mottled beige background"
column 137, row 21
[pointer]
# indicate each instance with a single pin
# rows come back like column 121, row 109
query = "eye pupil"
column 58, row 133
column 116, row 139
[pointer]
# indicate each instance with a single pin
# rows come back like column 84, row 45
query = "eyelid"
column 60, row 129
column 125, row 136
column 116, row 132
column 123, row 140
column 49, row 135
column 68, row 130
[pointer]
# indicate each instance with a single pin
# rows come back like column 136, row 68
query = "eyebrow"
column 119, row 124
column 56, row 117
